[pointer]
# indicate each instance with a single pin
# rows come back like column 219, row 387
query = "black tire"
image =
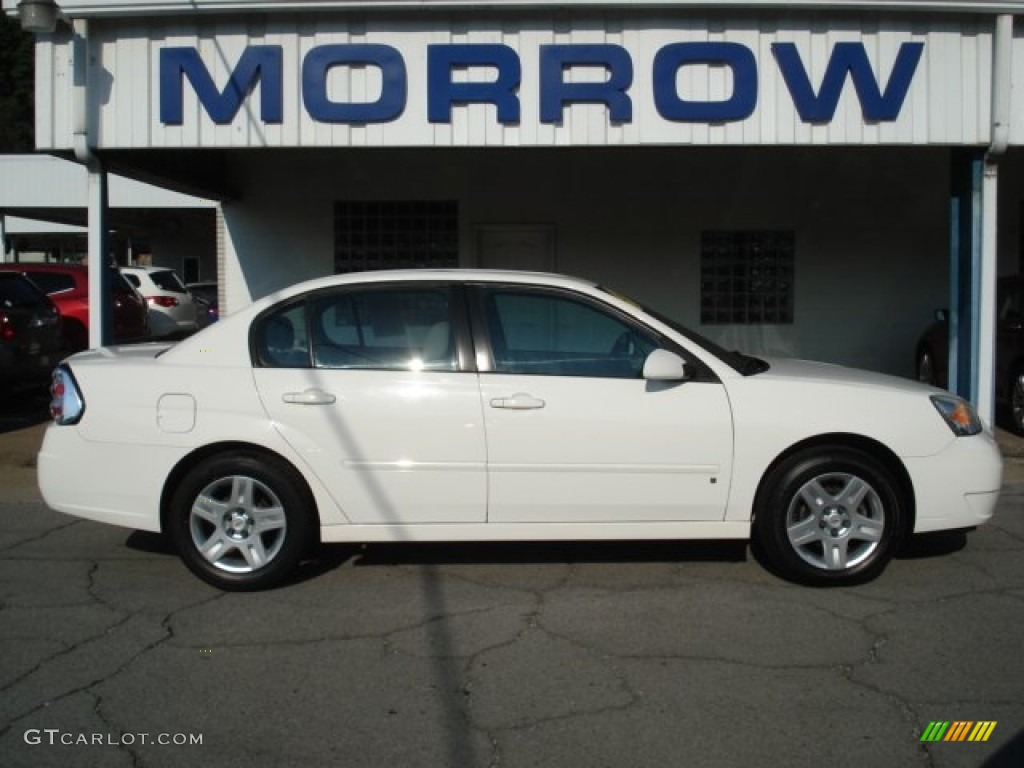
column 809, row 528
column 242, row 522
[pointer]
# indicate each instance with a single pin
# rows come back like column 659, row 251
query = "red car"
column 67, row 285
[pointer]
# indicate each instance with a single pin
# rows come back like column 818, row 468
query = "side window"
column 540, row 332
column 403, row 329
column 281, row 339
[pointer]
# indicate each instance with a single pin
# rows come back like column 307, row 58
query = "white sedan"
column 476, row 405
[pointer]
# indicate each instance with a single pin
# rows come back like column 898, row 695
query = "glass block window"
column 395, row 234
column 746, row 278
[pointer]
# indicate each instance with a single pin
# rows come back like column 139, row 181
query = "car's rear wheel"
column 242, row 522
column 830, row 516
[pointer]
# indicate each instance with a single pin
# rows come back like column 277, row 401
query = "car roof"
column 463, row 275
column 21, row 266
column 146, row 268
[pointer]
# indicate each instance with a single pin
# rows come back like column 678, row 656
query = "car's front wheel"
column 242, row 522
column 1017, row 400
column 829, row 516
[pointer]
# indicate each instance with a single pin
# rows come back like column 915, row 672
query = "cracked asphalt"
column 612, row 654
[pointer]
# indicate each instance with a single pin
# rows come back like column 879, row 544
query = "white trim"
column 97, row 8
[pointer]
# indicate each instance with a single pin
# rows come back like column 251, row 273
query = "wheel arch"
column 234, row 448
column 866, row 445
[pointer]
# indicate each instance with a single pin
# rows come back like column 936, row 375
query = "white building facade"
column 791, row 178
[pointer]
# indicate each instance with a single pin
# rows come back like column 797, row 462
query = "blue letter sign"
column 738, row 58
column 259, row 63
column 555, row 93
column 442, row 92
column 261, row 66
column 853, row 59
column 320, row 60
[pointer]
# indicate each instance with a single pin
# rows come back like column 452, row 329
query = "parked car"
column 932, row 353
column 172, row 312
column 205, row 296
column 31, row 342
column 478, row 405
column 67, row 285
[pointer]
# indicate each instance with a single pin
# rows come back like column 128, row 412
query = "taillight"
column 6, row 328
column 163, row 301
column 66, row 403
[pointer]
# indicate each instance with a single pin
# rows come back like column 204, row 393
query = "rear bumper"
column 110, row 483
column 959, row 487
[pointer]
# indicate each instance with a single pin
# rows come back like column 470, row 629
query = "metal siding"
column 948, row 101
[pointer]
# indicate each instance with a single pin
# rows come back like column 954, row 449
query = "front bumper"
column 958, row 487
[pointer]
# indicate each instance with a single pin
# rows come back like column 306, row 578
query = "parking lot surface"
column 612, row 654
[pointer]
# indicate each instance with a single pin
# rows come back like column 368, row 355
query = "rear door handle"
column 518, row 402
column 309, row 397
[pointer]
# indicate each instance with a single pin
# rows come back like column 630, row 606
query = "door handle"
column 309, row 397
column 518, row 402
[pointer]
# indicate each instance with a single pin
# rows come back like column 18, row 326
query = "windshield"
column 741, row 363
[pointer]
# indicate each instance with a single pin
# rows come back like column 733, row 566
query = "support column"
column 973, row 268
column 101, row 305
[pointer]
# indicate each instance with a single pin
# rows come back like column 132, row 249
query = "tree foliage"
column 17, row 87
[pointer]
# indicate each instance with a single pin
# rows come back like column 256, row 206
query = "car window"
column 553, row 334
column 406, row 328
column 167, row 280
column 122, row 282
column 16, row 291
column 52, row 282
column 133, row 279
column 281, row 338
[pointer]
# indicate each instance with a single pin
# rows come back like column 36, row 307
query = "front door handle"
column 309, row 397
column 518, row 402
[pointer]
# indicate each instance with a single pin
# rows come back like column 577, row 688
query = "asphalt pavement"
column 611, row 654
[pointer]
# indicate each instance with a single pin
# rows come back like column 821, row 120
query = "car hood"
column 784, row 369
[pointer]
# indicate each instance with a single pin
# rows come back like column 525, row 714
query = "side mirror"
column 662, row 365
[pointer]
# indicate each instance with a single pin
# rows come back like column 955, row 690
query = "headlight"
column 958, row 415
column 66, row 403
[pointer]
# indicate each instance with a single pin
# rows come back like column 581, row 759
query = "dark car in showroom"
column 31, row 342
column 204, row 293
column 67, row 286
column 932, row 355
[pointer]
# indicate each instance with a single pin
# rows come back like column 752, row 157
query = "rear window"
column 16, row 291
column 119, row 281
column 168, row 281
column 52, row 282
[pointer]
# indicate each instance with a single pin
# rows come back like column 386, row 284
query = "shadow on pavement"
column 19, row 410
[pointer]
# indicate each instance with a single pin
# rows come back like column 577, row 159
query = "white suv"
column 171, row 308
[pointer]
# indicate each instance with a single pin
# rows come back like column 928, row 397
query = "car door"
column 367, row 385
column 575, row 434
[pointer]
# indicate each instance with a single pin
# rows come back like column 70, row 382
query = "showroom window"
column 746, row 277
column 402, row 234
